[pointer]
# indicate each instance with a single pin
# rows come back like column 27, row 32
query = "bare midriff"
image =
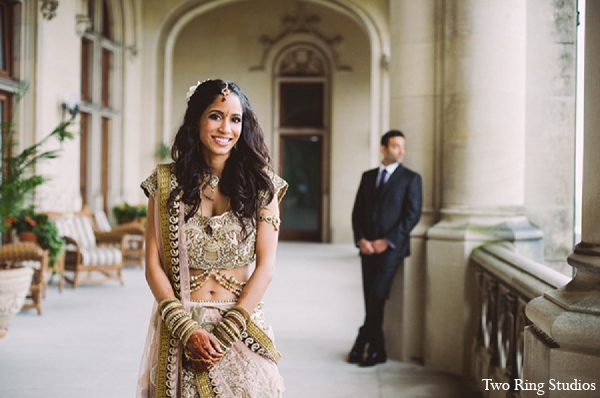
column 212, row 290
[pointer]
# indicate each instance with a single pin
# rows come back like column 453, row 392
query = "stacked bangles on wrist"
column 231, row 327
column 176, row 318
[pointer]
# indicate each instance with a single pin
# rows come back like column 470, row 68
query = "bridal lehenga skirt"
column 248, row 369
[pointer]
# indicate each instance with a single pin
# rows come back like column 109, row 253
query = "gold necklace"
column 212, row 182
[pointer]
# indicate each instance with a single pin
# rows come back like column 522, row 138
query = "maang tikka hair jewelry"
column 225, row 91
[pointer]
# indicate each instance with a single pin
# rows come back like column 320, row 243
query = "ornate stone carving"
column 301, row 22
column 82, row 24
column 301, row 62
column 48, row 8
column 132, row 50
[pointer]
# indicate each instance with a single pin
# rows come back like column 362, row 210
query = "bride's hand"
column 204, row 345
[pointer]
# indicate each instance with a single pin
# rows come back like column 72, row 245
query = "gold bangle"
column 241, row 310
column 223, row 336
column 222, row 343
column 238, row 319
column 172, row 313
column 182, row 326
column 180, row 322
column 166, row 301
column 189, row 331
column 170, row 307
column 172, row 319
column 225, row 323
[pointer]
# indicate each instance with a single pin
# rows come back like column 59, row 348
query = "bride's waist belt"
column 228, row 282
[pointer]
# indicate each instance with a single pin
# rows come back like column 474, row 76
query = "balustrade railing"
column 506, row 282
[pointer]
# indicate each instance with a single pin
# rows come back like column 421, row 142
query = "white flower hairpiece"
column 193, row 88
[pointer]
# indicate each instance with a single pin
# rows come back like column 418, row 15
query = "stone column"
column 564, row 341
column 482, row 179
column 412, row 102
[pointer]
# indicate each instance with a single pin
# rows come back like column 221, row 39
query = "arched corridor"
column 89, row 341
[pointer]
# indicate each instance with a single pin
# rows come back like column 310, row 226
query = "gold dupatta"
column 169, row 355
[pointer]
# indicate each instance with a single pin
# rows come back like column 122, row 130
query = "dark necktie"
column 381, row 182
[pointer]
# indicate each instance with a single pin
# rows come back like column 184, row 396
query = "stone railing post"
column 563, row 344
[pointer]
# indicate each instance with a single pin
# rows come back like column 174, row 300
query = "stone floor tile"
column 89, row 341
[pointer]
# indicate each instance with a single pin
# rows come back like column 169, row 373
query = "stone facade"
column 484, row 91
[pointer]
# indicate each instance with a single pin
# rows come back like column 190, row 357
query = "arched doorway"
column 219, row 41
column 302, row 119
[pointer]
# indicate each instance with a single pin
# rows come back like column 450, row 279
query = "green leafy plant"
column 28, row 220
column 18, row 178
column 162, row 152
column 126, row 212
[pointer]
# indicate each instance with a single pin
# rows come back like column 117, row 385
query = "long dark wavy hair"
column 245, row 173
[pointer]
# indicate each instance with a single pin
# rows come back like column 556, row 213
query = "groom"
column 386, row 209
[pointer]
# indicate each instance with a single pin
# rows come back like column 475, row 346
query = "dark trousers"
column 378, row 272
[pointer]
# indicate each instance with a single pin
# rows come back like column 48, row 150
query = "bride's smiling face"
column 220, row 126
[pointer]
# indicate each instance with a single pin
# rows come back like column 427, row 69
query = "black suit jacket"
column 391, row 216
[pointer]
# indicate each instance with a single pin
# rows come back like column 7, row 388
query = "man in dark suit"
column 386, row 209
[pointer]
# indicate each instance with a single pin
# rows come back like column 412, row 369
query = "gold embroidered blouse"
column 215, row 243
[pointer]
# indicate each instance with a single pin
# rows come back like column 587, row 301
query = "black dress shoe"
column 357, row 352
column 373, row 358
column 355, row 356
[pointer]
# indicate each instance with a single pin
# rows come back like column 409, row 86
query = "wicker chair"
column 33, row 256
column 131, row 235
column 85, row 257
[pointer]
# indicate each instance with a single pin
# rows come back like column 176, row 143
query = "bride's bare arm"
column 266, row 249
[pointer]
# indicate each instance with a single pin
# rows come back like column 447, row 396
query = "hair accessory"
column 193, row 88
column 225, row 91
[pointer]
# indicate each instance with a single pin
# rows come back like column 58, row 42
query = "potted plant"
column 32, row 226
column 14, row 285
column 125, row 213
column 18, row 182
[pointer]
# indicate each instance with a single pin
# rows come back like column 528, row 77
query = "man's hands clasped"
column 372, row 247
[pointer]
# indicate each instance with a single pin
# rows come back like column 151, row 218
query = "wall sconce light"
column 48, row 9
column 70, row 105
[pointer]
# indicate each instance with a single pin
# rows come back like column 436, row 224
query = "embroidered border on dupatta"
column 168, row 372
column 258, row 341
column 206, row 388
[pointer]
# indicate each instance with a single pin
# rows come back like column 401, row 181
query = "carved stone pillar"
column 483, row 169
column 564, row 341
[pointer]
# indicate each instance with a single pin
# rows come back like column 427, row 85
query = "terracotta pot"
column 28, row 236
column 14, row 286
